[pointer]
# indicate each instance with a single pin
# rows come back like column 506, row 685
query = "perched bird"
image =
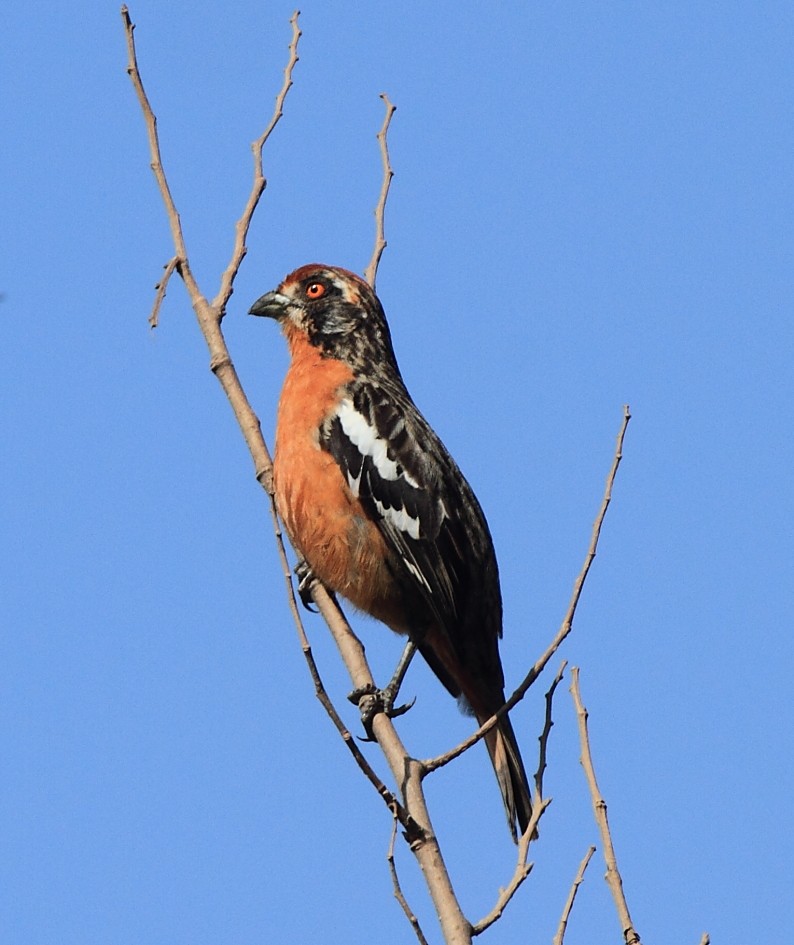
column 376, row 505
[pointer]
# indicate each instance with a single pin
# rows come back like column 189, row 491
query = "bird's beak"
column 271, row 305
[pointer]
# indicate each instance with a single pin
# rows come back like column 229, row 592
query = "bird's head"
column 333, row 309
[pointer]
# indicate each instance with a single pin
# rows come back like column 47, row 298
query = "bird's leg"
column 371, row 700
column 306, row 579
column 392, row 689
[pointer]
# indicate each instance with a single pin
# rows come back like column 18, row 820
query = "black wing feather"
column 428, row 515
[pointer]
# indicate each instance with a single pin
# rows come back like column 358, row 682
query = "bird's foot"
column 306, row 579
column 371, row 700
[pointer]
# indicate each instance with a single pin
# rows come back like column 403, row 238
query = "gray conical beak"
column 271, row 305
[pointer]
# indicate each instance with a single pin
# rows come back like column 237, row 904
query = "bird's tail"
column 506, row 759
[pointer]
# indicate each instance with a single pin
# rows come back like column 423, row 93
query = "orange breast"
column 326, row 522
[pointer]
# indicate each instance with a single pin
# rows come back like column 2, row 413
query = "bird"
column 376, row 506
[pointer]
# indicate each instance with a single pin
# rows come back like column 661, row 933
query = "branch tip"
column 371, row 272
column 170, row 267
column 566, row 912
column 548, row 723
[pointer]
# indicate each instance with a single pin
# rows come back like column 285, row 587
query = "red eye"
column 315, row 290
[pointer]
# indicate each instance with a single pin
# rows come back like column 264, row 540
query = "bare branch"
column 630, row 934
column 259, row 183
column 154, row 149
column 398, row 893
column 161, row 287
column 566, row 912
column 547, row 726
column 567, row 624
column 371, row 272
column 522, row 870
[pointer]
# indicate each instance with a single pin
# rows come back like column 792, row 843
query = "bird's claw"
column 371, row 700
column 306, row 580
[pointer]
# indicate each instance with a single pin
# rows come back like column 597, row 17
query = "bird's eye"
column 315, row 290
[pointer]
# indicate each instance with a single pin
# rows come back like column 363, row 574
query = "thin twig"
column 544, row 735
column 432, row 764
column 161, row 287
column 566, row 912
column 154, row 149
column 522, row 870
column 259, row 183
column 371, row 272
column 398, row 892
column 630, row 934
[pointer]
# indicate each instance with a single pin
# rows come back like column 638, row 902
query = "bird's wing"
column 412, row 489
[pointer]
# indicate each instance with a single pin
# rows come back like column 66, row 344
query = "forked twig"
column 260, row 182
column 566, row 912
column 630, row 934
column 432, row 764
column 257, row 188
column 371, row 272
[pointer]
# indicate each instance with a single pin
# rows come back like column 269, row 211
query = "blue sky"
column 593, row 205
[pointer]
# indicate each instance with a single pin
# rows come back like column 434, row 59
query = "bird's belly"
column 330, row 528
